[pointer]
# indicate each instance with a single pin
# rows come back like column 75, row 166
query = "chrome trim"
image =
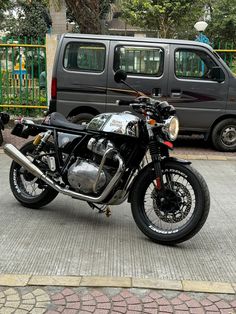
column 23, row 161
column 107, row 152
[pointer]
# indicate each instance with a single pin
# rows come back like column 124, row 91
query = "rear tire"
column 21, row 181
column 81, row 118
column 224, row 135
column 160, row 218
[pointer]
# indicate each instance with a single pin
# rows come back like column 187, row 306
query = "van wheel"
column 81, row 118
column 224, row 135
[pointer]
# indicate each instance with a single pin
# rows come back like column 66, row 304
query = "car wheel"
column 81, row 118
column 224, row 135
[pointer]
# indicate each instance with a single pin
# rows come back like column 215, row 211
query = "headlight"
column 171, row 128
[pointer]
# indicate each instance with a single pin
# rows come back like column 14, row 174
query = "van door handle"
column 156, row 92
column 176, row 93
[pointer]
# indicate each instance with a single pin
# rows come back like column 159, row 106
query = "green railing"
column 227, row 52
column 23, row 73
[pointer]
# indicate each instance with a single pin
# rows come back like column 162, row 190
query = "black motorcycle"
column 4, row 119
column 115, row 157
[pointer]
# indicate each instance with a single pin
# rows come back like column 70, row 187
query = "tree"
column 222, row 24
column 30, row 19
column 5, row 5
column 88, row 14
column 165, row 18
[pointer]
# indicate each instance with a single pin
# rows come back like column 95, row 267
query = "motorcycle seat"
column 57, row 119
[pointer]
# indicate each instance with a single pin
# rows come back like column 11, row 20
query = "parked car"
column 188, row 74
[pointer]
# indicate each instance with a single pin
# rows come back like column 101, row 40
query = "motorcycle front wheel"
column 28, row 190
column 176, row 215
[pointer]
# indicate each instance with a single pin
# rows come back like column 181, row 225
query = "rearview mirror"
column 120, row 76
column 217, row 74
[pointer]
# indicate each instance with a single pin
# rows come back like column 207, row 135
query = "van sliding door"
column 147, row 67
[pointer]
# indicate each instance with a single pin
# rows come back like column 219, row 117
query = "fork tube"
column 155, row 153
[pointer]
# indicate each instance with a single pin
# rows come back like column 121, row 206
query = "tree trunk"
column 86, row 14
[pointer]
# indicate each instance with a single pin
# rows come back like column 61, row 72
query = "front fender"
column 150, row 167
column 175, row 159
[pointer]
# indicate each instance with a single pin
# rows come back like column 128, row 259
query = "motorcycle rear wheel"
column 177, row 215
column 27, row 189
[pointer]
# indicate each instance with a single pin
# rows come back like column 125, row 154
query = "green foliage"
column 163, row 17
column 167, row 18
column 4, row 6
column 222, row 26
column 29, row 19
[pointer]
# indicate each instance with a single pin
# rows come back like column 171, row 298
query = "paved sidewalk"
column 84, row 300
column 21, row 294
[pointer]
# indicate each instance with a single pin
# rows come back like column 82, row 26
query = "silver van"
column 188, row 74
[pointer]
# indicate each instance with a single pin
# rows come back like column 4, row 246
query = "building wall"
column 58, row 15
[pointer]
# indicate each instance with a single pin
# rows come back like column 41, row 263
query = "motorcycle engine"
column 83, row 173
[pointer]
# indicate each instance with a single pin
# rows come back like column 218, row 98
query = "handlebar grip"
column 123, row 102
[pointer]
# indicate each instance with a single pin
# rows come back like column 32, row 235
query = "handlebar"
column 158, row 109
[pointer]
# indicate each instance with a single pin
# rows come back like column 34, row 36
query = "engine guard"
column 149, row 167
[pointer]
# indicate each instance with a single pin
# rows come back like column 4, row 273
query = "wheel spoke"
column 175, row 208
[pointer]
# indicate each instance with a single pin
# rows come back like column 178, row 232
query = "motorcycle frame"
column 62, row 165
column 141, row 144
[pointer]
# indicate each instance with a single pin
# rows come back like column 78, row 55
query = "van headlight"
column 171, row 128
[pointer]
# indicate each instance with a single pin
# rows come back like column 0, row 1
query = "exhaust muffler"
column 23, row 161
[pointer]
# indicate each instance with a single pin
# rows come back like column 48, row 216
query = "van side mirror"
column 120, row 76
column 217, row 74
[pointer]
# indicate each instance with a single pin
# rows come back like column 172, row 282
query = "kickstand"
column 102, row 209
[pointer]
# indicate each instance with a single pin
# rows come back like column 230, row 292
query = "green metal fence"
column 227, row 52
column 23, row 73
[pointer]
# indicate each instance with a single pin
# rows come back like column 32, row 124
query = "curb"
column 12, row 280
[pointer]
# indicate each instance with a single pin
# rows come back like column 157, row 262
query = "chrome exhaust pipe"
column 23, row 161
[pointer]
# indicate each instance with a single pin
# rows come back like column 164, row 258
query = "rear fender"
column 150, row 167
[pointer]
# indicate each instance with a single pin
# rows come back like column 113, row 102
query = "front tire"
column 27, row 189
column 179, row 214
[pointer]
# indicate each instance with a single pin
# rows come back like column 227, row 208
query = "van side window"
column 193, row 64
column 139, row 60
column 85, row 57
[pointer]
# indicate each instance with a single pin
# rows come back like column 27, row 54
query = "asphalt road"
column 68, row 238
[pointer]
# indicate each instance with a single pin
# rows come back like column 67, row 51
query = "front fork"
column 155, row 152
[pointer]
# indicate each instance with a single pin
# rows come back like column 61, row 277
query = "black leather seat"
column 57, row 119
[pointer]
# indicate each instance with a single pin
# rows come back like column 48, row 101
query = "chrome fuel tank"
column 124, row 123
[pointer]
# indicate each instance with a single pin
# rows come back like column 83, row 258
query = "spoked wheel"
column 28, row 189
column 179, row 213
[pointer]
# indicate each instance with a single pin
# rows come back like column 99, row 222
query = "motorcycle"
column 114, row 158
column 4, row 119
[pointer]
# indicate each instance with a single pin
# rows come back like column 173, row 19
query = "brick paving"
column 66, row 300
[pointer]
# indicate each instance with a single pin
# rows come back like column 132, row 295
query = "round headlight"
column 171, row 128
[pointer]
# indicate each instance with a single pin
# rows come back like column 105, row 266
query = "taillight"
column 54, row 88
